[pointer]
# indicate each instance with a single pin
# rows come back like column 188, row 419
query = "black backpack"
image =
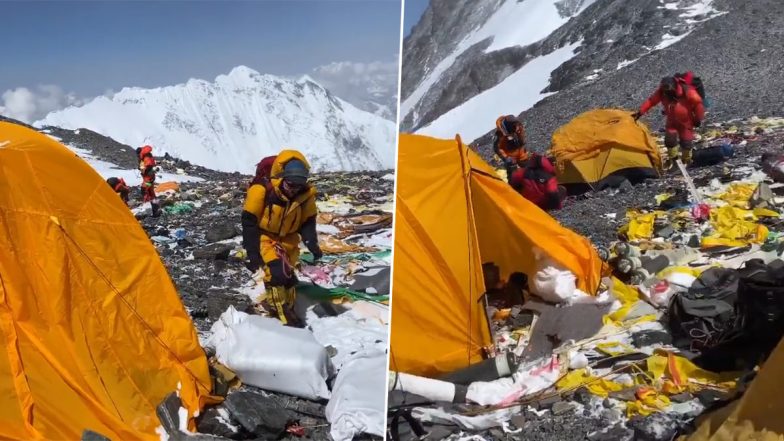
column 696, row 83
column 761, row 299
column 705, row 315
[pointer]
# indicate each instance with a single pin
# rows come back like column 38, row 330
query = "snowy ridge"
column 519, row 90
column 515, row 23
column 229, row 124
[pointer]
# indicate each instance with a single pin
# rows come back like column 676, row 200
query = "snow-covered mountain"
column 231, row 123
column 467, row 62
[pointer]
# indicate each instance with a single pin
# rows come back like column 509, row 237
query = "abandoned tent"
column 454, row 214
column 602, row 147
column 95, row 334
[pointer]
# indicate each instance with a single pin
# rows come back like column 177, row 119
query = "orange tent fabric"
column 453, row 214
column 166, row 186
column 94, row 333
column 601, row 142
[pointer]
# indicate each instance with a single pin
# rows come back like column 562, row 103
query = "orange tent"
column 453, row 213
column 94, row 333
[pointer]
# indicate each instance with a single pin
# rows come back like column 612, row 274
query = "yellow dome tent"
column 603, row 143
column 94, row 332
column 453, row 213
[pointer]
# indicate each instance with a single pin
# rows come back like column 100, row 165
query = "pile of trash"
column 676, row 329
column 281, row 382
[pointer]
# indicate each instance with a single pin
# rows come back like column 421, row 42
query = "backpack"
column 696, row 83
column 761, row 299
column 264, row 170
column 705, row 315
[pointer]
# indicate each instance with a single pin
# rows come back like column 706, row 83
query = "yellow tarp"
column 452, row 215
column 94, row 333
column 599, row 142
column 734, row 227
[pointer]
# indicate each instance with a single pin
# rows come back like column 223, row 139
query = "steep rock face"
column 612, row 35
column 739, row 55
column 229, row 124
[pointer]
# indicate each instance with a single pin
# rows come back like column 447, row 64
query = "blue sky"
column 413, row 10
column 89, row 47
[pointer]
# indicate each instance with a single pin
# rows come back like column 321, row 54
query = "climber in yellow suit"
column 280, row 210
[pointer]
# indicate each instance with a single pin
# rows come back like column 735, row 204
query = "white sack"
column 357, row 403
column 266, row 354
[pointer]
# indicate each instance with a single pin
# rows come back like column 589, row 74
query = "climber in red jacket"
column 148, row 168
column 684, row 109
column 537, row 183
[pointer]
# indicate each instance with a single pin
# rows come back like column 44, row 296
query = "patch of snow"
column 182, row 415
column 161, row 432
column 669, row 39
column 592, row 77
column 518, row 92
column 388, row 177
column 76, row 132
column 515, row 23
column 625, row 63
column 671, row 6
column 132, row 177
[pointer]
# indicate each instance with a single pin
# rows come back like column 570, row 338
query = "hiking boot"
column 686, row 157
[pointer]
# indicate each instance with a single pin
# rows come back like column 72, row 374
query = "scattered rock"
column 218, row 302
column 218, row 421
column 216, row 251
column 614, row 433
column 563, row 407
column 655, row 427
column 168, row 413
column 258, row 414
column 624, row 394
column 681, row 398
column 518, row 421
column 89, row 435
column 222, row 231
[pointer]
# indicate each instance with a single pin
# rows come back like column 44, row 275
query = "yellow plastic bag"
column 597, row 386
column 738, row 194
column 641, row 226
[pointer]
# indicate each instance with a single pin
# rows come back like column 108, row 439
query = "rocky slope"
column 624, row 49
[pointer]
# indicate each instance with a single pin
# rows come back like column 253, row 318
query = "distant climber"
column 537, row 183
column 120, row 187
column 280, row 210
column 148, row 167
column 684, row 109
column 509, row 143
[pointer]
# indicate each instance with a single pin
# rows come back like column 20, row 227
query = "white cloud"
column 369, row 86
column 30, row 105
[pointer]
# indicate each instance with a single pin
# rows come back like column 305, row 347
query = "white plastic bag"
column 266, row 354
column 357, row 403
